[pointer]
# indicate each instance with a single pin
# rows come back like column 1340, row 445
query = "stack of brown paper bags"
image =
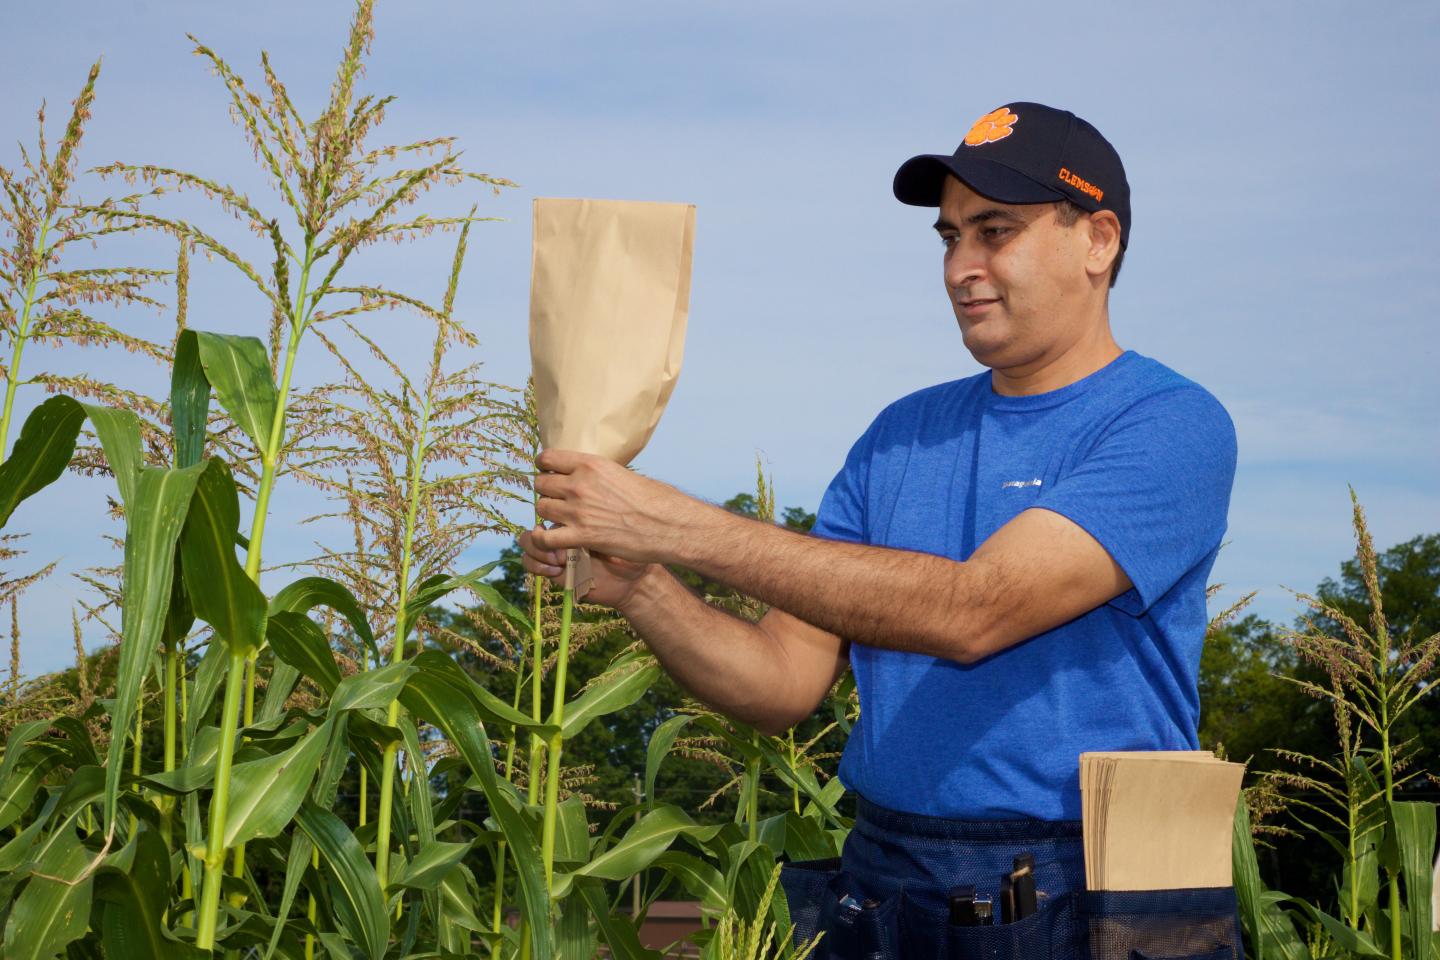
column 1158, row 820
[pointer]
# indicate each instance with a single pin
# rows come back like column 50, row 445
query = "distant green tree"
column 1245, row 706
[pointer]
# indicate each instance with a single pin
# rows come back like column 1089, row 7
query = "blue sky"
column 1279, row 157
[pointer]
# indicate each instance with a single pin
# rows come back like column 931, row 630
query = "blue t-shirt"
column 1137, row 455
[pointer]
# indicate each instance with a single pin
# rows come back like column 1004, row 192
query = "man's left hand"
column 607, row 508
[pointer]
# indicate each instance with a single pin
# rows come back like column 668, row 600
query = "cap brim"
column 920, row 179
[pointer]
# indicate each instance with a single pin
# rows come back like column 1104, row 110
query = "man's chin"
column 988, row 349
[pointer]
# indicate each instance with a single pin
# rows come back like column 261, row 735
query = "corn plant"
column 412, row 523
column 41, row 300
column 1372, row 679
column 759, row 938
column 47, row 303
column 342, row 197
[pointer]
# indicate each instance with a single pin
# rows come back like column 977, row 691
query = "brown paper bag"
column 609, row 297
column 1158, row 820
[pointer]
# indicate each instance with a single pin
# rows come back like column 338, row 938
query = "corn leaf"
column 638, row 848
column 299, row 641
column 1414, row 823
column 430, row 696
column 189, row 400
column 572, row 834
column 358, row 903
column 700, row 879
column 572, row 933
column 619, row 934
column 372, row 688
column 119, row 433
column 222, row 594
column 264, row 794
column 1273, row 931
column 54, row 908
column 238, row 368
column 283, row 678
column 17, row 851
column 41, row 452
column 432, row 862
column 295, row 864
column 182, row 780
column 804, row 838
column 422, row 810
column 153, row 522
column 28, row 759
column 625, row 682
column 1357, row 942
column 660, row 743
column 322, row 792
column 490, row 707
column 15, row 743
column 432, row 589
column 47, row 442
column 133, row 924
column 748, row 866
column 307, row 593
column 457, row 898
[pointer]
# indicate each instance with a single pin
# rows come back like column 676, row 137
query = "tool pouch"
column 1190, row 924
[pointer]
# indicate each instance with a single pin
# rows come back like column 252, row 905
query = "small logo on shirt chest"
column 1021, row 483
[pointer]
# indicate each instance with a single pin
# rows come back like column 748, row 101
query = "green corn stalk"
column 387, row 774
column 498, row 907
column 557, row 718
column 537, row 747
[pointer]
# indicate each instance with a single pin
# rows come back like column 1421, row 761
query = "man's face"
column 1015, row 276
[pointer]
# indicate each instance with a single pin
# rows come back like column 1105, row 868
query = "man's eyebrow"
column 991, row 213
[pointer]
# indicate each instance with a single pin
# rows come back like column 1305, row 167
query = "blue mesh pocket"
column 1047, row 934
column 824, row 899
column 806, row 884
column 1191, row 924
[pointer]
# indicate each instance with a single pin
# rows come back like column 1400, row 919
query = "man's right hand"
column 615, row 579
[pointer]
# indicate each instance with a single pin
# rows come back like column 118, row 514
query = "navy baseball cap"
column 1026, row 153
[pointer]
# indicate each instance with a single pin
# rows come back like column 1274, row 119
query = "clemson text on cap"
column 1081, row 184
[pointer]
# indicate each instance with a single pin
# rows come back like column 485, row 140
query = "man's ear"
column 1104, row 243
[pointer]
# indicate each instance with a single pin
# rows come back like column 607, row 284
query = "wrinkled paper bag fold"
column 609, row 298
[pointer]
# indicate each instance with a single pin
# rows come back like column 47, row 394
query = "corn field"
column 228, row 842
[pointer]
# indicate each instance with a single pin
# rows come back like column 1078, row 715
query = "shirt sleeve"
column 1155, row 490
column 841, row 515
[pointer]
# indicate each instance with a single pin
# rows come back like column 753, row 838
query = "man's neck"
column 1051, row 372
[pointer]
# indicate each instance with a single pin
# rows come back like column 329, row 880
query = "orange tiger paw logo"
column 995, row 125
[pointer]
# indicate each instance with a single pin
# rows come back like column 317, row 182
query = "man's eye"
column 948, row 241
column 993, row 233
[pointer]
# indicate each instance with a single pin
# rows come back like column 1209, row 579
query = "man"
column 1013, row 564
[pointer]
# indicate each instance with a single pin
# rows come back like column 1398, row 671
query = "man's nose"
column 962, row 269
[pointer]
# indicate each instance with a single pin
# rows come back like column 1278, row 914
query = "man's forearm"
column 878, row 596
column 727, row 663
